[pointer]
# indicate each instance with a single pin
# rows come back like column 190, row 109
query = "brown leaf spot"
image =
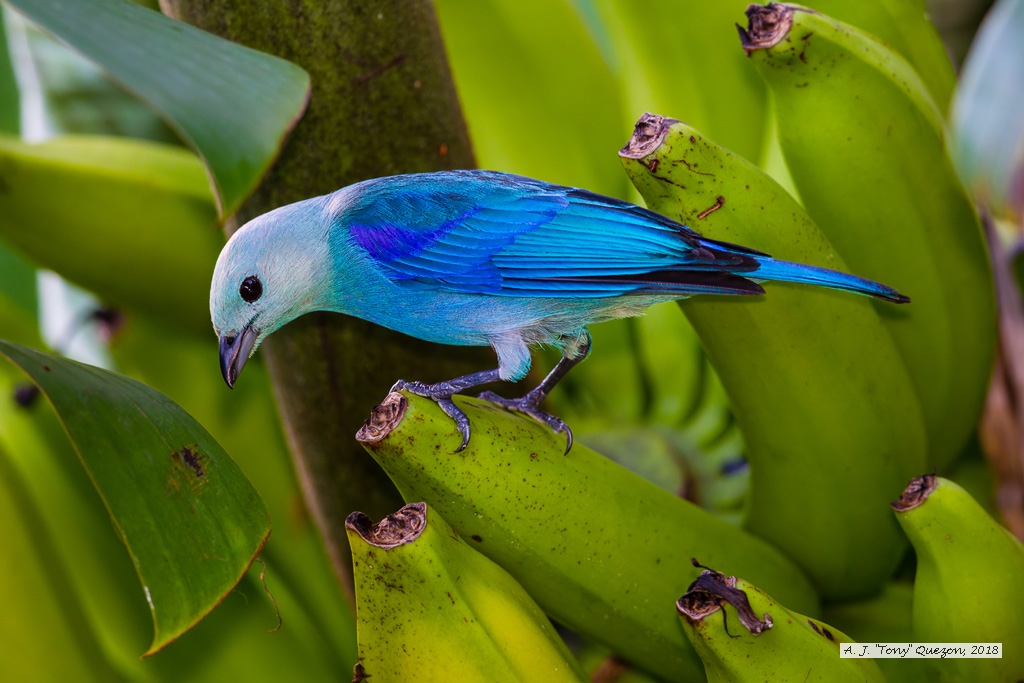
column 188, row 470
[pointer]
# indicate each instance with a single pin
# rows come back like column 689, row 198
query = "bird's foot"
column 529, row 405
column 441, row 394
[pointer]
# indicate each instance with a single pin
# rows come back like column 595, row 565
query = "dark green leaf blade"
column 191, row 520
column 10, row 98
column 231, row 104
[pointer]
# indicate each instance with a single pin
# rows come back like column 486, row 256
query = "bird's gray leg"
column 530, row 403
column 442, row 392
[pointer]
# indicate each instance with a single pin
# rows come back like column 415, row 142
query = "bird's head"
column 274, row 268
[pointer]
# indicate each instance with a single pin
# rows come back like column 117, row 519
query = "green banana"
column 767, row 640
column 883, row 618
column 133, row 221
column 903, row 25
column 600, row 549
column 431, row 608
column 681, row 57
column 968, row 587
column 864, row 142
column 797, row 366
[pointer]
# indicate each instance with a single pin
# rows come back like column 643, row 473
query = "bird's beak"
column 234, row 352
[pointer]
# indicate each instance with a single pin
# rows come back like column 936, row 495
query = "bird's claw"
column 441, row 394
column 528, row 405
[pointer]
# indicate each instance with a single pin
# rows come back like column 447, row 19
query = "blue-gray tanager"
column 477, row 258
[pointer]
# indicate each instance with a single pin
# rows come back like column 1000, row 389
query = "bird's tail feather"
column 786, row 271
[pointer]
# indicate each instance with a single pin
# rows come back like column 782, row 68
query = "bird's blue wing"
column 494, row 233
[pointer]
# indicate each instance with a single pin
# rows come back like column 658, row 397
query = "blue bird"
column 477, row 258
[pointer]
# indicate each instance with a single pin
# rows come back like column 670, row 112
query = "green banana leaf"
column 538, row 97
column 245, row 422
column 103, row 582
column 131, row 220
column 679, row 58
column 241, row 103
column 74, row 93
column 40, row 596
column 10, row 98
column 988, row 112
column 18, row 299
column 191, row 520
column 231, row 643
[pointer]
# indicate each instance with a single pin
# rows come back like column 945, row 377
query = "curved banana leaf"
column 539, row 98
column 679, row 57
column 58, row 503
column 988, row 112
column 131, row 220
column 85, row 545
column 18, row 299
column 40, row 597
column 245, row 422
column 240, row 103
column 191, row 520
column 10, row 99
column 74, row 94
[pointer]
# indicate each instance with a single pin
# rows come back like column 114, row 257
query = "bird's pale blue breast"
column 493, row 233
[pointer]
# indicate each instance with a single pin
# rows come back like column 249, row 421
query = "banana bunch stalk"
column 767, row 641
column 600, row 549
column 865, row 144
column 804, row 368
column 430, row 608
column 969, row 586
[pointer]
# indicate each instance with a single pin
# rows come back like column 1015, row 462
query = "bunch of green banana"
column 766, row 641
column 864, row 142
column 430, row 608
column 601, row 550
column 667, row 418
column 804, row 368
column 969, row 586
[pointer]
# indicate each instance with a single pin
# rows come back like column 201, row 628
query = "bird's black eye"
column 251, row 289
